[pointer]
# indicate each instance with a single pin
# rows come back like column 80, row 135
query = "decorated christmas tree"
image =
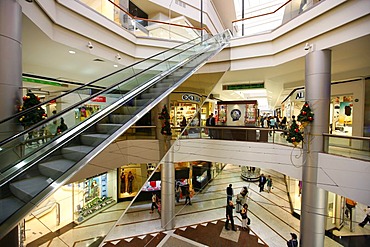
column 306, row 115
column 34, row 116
column 165, row 117
column 295, row 136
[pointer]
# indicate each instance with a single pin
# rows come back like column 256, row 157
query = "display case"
column 201, row 175
column 237, row 113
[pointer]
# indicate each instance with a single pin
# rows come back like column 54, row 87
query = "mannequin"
column 130, row 178
column 123, row 182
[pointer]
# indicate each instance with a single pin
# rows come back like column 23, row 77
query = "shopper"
column 244, row 215
column 239, row 198
column 367, row 217
column 294, row 241
column 177, row 193
column 350, row 204
column 229, row 216
column 210, row 122
column 262, row 181
column 187, row 196
column 229, row 193
column 269, row 183
column 154, row 202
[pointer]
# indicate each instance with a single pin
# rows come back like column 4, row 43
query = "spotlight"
column 118, row 56
column 90, row 45
column 308, row 47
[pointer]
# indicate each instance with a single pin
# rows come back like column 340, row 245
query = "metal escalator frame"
column 19, row 214
column 76, row 130
column 2, row 142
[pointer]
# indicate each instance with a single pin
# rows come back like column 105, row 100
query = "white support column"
column 314, row 199
column 168, row 192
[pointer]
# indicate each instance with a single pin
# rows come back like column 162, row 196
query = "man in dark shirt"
column 229, row 193
column 229, row 216
column 293, row 242
column 262, row 180
column 211, row 121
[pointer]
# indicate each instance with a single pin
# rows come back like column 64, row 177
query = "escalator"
column 32, row 169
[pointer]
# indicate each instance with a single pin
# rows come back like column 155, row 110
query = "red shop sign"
column 99, row 99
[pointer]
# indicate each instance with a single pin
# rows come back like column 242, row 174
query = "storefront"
column 130, row 179
column 187, row 105
column 93, row 195
column 237, row 113
column 346, row 107
column 72, row 203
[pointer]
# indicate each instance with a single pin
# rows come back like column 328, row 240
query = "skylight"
column 258, row 24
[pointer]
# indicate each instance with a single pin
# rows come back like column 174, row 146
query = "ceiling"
column 42, row 56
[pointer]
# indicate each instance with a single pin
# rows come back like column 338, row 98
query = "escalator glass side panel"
column 35, row 172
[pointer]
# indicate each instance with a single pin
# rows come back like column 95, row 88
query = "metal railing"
column 267, row 17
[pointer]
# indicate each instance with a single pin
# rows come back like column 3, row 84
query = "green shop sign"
column 244, row 86
column 51, row 83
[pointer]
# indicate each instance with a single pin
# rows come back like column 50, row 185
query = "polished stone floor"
column 269, row 213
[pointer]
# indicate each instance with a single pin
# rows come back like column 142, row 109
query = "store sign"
column 99, row 99
column 299, row 95
column 244, row 86
column 191, row 97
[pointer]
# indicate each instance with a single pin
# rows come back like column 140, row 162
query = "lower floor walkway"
column 199, row 224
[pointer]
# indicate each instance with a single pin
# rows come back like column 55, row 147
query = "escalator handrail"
column 90, row 83
column 10, row 173
column 20, row 213
column 43, row 122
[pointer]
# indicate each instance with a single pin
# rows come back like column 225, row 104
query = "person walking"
column 177, row 193
column 154, row 202
column 243, row 214
column 187, row 196
column 367, row 217
column 262, row 181
column 350, row 204
column 229, row 216
column 211, row 121
column 269, row 183
column 229, row 193
column 239, row 198
column 293, row 242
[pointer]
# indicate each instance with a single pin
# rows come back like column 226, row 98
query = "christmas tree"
column 306, row 115
column 294, row 135
column 33, row 116
column 165, row 117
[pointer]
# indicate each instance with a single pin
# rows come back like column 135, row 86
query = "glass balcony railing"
column 263, row 18
column 178, row 28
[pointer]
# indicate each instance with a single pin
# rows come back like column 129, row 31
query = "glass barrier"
column 264, row 18
column 348, row 146
column 178, row 28
column 94, row 203
column 35, row 165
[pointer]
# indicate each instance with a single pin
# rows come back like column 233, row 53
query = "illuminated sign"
column 190, row 97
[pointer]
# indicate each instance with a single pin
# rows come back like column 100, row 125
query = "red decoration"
column 304, row 113
column 296, row 130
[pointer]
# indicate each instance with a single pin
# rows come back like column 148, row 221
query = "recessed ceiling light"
column 115, row 65
column 72, row 52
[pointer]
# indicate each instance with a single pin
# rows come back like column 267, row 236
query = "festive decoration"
column 306, row 115
column 165, row 117
column 295, row 136
column 33, row 116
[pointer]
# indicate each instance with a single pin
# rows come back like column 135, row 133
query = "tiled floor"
column 269, row 213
